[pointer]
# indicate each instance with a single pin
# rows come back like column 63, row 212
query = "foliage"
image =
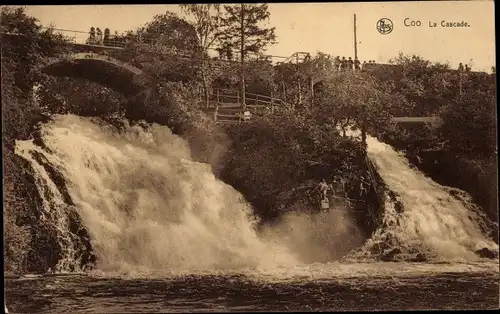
column 171, row 31
column 302, row 150
column 255, row 38
column 62, row 95
column 353, row 99
column 206, row 21
column 469, row 122
column 207, row 24
column 425, row 85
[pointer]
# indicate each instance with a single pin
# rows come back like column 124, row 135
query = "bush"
column 278, row 153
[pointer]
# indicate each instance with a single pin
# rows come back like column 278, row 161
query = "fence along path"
column 225, row 105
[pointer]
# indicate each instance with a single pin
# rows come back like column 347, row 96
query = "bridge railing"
column 121, row 41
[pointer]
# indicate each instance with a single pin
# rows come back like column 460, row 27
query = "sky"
column 328, row 27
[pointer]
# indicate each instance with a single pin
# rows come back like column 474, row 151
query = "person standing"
column 92, row 36
column 99, row 36
column 343, row 64
column 323, row 190
column 106, row 36
column 350, row 64
column 337, row 63
column 357, row 64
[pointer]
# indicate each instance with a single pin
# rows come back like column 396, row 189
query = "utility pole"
column 242, row 56
column 363, row 123
column 355, row 40
column 297, row 61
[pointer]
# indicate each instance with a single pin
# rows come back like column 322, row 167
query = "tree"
column 165, row 48
column 353, row 99
column 29, row 47
column 206, row 21
column 170, row 30
column 243, row 33
column 469, row 120
column 426, row 86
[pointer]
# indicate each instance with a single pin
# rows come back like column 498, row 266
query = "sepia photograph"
column 250, row 157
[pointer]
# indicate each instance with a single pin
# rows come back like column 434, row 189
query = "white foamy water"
column 150, row 209
column 146, row 205
column 440, row 222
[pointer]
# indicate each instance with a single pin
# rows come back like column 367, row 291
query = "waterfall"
column 145, row 203
column 435, row 221
column 147, row 206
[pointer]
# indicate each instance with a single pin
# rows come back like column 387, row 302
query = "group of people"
column 350, row 64
column 97, row 37
column 338, row 189
column 462, row 69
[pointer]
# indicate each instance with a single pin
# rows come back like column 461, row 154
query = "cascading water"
column 436, row 222
column 145, row 204
column 148, row 207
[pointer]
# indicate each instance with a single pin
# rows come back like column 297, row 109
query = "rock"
column 419, row 258
column 487, row 253
column 389, row 256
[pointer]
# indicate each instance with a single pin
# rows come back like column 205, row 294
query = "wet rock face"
column 390, row 255
column 46, row 249
column 487, row 253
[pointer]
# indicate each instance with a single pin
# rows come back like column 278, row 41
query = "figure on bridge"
column 99, row 36
column 106, row 36
column 357, row 64
column 350, row 64
column 461, row 67
column 337, row 63
column 91, row 39
column 343, row 64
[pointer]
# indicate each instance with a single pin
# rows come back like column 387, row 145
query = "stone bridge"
column 120, row 76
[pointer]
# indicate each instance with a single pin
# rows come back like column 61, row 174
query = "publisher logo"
column 384, row 26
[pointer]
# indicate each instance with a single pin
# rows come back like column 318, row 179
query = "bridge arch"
column 117, row 75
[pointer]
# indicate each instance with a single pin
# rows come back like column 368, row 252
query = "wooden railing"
column 226, row 104
column 227, row 98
